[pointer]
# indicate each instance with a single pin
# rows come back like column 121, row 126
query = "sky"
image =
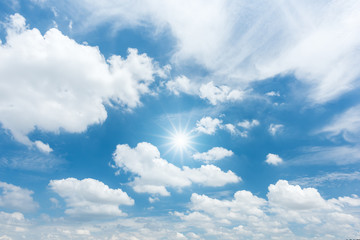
column 217, row 119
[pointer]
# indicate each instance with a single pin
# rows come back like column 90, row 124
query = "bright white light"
column 180, row 140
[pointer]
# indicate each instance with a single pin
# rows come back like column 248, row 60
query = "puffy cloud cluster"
column 16, row 198
column 51, row 83
column 154, row 174
column 287, row 204
column 214, row 154
column 288, row 212
column 90, row 197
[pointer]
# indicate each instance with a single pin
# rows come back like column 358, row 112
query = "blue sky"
column 179, row 120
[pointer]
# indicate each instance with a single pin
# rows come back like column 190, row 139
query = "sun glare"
column 180, row 140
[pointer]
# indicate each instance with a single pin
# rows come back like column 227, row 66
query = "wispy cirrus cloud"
column 236, row 47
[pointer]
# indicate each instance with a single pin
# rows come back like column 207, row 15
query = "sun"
column 180, row 141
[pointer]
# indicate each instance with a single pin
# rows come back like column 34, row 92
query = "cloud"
column 16, row 198
column 290, row 212
column 12, row 224
column 154, row 174
column 231, row 128
column 292, row 197
column 326, row 178
column 273, row 159
column 90, row 197
column 275, row 128
column 52, row 83
column 214, row 154
column 219, row 94
column 208, row 125
column 346, row 124
column 275, row 38
column 272, row 94
column 181, row 84
column 43, row 147
column 248, row 125
column 214, row 94
column 339, row 155
column 287, row 212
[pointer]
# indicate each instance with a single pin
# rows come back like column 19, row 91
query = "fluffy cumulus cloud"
column 346, row 124
column 287, row 209
column 273, row 159
column 154, row 174
column 16, row 198
column 181, row 84
column 218, row 94
column 288, row 212
column 208, row 125
column 214, row 154
column 51, row 83
column 90, row 197
column 276, row 38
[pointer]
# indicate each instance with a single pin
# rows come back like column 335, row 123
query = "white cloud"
column 13, row 225
column 208, row 125
column 326, row 178
column 181, row 84
column 43, row 147
column 231, row 128
column 214, row 154
column 44, row 77
column 340, row 155
column 273, row 159
column 210, row 175
column 16, row 198
column 219, row 94
column 272, row 94
column 275, row 128
column 90, row 197
column 214, row 94
column 251, row 41
column 288, row 212
column 292, row 197
column 248, row 125
column 152, row 200
column 288, row 207
column 153, row 174
column 347, row 124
